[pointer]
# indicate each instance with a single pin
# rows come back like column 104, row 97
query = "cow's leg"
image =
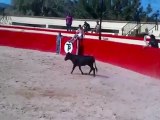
column 81, row 70
column 94, row 74
column 91, row 68
column 73, row 68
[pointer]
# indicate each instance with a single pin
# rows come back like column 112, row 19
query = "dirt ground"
column 38, row 86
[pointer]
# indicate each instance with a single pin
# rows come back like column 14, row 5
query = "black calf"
column 79, row 61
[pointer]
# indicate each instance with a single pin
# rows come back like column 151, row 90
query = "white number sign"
column 68, row 47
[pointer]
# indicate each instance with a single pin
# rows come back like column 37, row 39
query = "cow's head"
column 68, row 56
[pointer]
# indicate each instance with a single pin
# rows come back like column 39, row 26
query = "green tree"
column 149, row 9
column 87, row 9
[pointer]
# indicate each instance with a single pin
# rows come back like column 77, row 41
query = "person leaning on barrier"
column 58, row 43
column 79, row 34
column 97, row 28
column 86, row 27
column 153, row 42
column 78, row 37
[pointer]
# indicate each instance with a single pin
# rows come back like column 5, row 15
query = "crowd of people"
column 85, row 28
column 81, row 30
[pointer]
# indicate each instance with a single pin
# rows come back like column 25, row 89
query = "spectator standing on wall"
column 153, row 42
column 58, row 43
column 97, row 28
column 86, row 27
column 69, row 20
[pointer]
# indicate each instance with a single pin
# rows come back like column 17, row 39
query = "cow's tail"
column 95, row 66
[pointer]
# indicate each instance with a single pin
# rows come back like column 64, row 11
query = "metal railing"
column 147, row 27
column 127, row 29
column 6, row 20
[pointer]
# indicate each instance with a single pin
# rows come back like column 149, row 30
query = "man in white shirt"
column 79, row 34
column 79, row 38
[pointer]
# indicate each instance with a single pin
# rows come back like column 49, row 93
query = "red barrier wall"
column 134, row 57
column 42, row 42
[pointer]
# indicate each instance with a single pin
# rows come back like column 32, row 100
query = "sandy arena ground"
column 38, row 86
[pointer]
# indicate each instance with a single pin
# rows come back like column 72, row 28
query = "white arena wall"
column 115, row 25
column 106, row 24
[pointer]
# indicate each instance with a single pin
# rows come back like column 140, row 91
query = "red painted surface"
column 42, row 42
column 133, row 57
column 64, row 40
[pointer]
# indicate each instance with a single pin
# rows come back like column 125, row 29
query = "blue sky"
column 5, row 1
column 154, row 3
